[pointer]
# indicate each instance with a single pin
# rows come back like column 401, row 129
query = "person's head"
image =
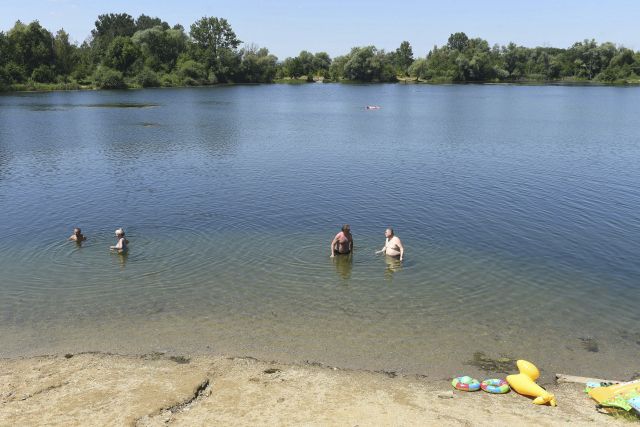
column 119, row 232
column 346, row 229
column 388, row 233
column 77, row 231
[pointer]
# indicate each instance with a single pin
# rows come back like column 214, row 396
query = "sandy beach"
column 156, row 389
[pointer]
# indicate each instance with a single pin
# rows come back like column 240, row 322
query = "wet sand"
column 158, row 389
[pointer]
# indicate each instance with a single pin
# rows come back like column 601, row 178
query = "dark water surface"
column 518, row 208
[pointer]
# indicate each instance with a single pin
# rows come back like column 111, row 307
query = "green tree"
column 43, row 74
column 321, row 63
column 418, row 69
column 161, row 47
column 336, row 69
column 64, row 52
column 31, row 46
column 306, row 63
column 148, row 78
column 5, row 54
column 215, row 45
column 145, row 22
column 441, row 64
column 404, row 57
column 108, row 27
column 589, row 58
column 291, row 67
column 121, row 54
column 458, row 41
column 368, row 64
column 192, row 73
column 108, row 78
column 514, row 60
column 257, row 66
column 84, row 66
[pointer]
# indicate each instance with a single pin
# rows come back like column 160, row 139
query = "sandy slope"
column 154, row 390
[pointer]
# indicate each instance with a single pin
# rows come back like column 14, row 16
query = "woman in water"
column 392, row 246
column 121, row 245
column 343, row 242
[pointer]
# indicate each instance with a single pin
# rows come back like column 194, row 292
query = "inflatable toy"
column 601, row 394
column 495, row 386
column 466, row 383
column 524, row 383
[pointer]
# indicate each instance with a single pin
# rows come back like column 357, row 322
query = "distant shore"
column 158, row 389
column 68, row 87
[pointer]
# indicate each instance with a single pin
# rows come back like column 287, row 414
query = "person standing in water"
column 121, row 244
column 392, row 246
column 342, row 244
column 77, row 236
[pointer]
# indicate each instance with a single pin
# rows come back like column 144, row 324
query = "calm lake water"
column 518, row 208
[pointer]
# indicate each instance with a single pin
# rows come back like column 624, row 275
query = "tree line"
column 125, row 52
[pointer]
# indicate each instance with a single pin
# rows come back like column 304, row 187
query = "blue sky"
column 286, row 27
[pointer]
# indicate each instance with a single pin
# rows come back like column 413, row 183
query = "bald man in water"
column 392, row 246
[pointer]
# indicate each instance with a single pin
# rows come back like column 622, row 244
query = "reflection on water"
column 34, row 106
column 394, row 265
column 122, row 257
column 343, row 265
column 523, row 198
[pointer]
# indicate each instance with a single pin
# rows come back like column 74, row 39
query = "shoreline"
column 159, row 389
column 403, row 81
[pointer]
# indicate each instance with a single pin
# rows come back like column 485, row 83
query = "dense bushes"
column 108, row 78
column 147, row 52
column 148, row 78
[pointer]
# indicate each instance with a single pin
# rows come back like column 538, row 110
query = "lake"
column 517, row 207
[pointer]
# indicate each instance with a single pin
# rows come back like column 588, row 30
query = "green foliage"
column 148, row 52
column 15, row 73
column 108, row 78
column 336, row 69
column 418, row 69
column 108, row 27
column 291, row 67
column 403, row 58
column 161, row 47
column 5, row 79
column 170, row 80
column 307, row 64
column 192, row 73
column 257, row 66
column 145, row 22
column 148, row 78
column 64, row 53
column 368, row 64
column 121, row 54
column 43, row 74
column 31, row 46
column 458, row 41
column 215, row 45
column 84, row 67
column 5, row 53
column 321, row 63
